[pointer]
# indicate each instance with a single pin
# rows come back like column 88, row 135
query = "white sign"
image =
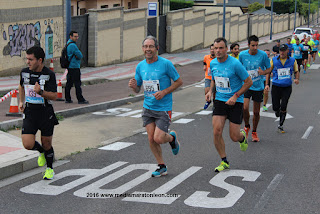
column 152, row 8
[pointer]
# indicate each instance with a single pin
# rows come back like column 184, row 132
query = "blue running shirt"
column 252, row 64
column 297, row 53
column 229, row 76
column 156, row 77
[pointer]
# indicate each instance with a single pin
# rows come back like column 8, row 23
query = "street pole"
column 309, row 15
column 68, row 18
column 271, row 20
column 224, row 19
column 295, row 14
column 318, row 13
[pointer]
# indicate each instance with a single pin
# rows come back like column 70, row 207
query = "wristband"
column 41, row 92
column 237, row 94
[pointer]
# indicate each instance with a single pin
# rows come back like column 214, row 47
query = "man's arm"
column 176, row 84
column 21, row 98
column 49, row 95
column 296, row 73
column 133, row 85
column 245, row 87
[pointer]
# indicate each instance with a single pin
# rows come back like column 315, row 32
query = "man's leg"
column 69, row 85
column 207, row 83
column 246, row 115
column 77, row 84
column 218, row 125
column 255, row 121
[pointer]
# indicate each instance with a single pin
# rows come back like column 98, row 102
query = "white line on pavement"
column 116, row 146
column 183, row 121
column 307, row 133
column 23, row 175
column 267, row 193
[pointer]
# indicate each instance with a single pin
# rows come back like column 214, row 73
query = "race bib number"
column 31, row 96
column 283, row 73
column 297, row 53
column 151, row 87
column 305, row 48
column 222, row 84
column 254, row 75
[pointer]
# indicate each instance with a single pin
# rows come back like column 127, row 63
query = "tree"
column 255, row 6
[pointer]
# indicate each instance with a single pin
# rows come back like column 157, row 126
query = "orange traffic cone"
column 14, row 110
column 59, row 92
column 51, row 65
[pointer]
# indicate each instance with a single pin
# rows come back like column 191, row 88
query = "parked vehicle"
column 301, row 31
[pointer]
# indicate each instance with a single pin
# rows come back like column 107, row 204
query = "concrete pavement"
column 15, row 159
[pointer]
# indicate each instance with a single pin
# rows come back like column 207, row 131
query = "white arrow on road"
column 271, row 115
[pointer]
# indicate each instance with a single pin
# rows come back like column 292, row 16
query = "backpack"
column 64, row 61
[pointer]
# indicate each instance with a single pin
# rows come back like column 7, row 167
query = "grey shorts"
column 162, row 119
column 207, row 83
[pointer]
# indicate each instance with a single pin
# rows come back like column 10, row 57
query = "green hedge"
column 180, row 4
column 287, row 6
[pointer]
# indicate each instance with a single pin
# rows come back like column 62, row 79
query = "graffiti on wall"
column 21, row 37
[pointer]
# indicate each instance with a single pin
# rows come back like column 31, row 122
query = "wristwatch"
column 41, row 92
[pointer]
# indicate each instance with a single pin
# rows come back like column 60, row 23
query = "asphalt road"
column 280, row 174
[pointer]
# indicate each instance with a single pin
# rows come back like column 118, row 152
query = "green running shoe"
column 264, row 108
column 41, row 159
column 223, row 165
column 48, row 174
column 308, row 65
column 244, row 144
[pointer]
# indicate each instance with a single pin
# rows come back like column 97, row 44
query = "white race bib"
column 31, row 96
column 283, row 73
column 254, row 75
column 222, row 84
column 151, row 87
column 297, row 53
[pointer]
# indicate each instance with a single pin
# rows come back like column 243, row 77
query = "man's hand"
column 159, row 95
column 21, row 107
column 296, row 81
column 232, row 100
column 208, row 96
column 267, row 88
column 37, row 88
column 260, row 71
column 133, row 83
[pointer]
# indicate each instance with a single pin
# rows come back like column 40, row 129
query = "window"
column 104, row 6
column 116, row 5
column 129, row 5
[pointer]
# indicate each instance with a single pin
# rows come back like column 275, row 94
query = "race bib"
column 222, row 84
column 297, row 53
column 151, row 87
column 305, row 48
column 283, row 73
column 254, row 75
column 31, row 96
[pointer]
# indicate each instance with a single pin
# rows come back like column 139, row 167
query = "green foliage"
column 254, row 6
column 287, row 6
column 180, row 4
column 59, row 117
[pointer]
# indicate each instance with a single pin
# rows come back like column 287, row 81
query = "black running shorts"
column 257, row 96
column 234, row 113
column 42, row 119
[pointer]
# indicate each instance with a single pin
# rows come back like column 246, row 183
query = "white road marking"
column 314, row 66
column 137, row 116
column 176, row 114
column 204, row 112
column 200, row 85
column 129, row 113
column 116, row 146
column 24, row 175
column 164, row 189
column 183, row 121
column 267, row 193
column 307, row 133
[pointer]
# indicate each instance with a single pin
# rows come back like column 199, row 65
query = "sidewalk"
column 15, row 159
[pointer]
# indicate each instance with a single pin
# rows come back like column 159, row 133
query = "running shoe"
column 247, row 131
column 41, row 159
column 206, row 105
column 175, row 145
column 264, row 108
column 244, row 144
column 308, row 65
column 48, row 174
column 255, row 137
column 223, row 165
column 160, row 172
column 280, row 129
column 304, row 71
